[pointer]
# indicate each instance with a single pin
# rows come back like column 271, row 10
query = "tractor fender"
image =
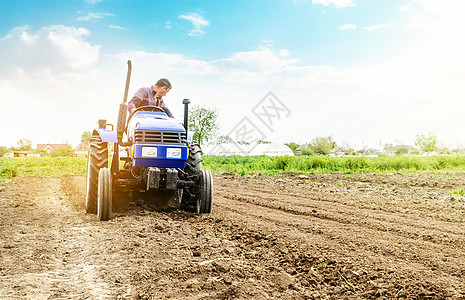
column 107, row 136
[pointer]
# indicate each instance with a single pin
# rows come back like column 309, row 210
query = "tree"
column 85, row 138
column 444, row 150
column 388, row 148
column 322, row 145
column 402, row 151
column 307, row 152
column 293, row 146
column 426, row 143
column 203, row 121
column 3, row 150
column 23, row 145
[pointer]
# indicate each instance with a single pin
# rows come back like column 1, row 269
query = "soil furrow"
column 427, row 253
column 331, row 236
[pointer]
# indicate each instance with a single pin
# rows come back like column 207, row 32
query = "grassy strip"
column 42, row 166
column 58, row 166
column 323, row 164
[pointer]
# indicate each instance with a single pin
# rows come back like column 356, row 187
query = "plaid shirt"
column 146, row 96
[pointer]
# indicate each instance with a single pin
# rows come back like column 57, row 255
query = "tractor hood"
column 157, row 121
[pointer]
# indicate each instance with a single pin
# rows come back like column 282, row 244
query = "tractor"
column 163, row 164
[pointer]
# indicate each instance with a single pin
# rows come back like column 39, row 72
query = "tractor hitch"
column 157, row 179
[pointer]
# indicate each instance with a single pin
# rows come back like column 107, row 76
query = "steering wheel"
column 146, row 108
column 149, row 108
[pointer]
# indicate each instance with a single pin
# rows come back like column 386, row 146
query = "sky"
column 364, row 72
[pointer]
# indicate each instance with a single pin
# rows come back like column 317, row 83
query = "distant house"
column 50, row 147
column 338, row 152
column 21, row 153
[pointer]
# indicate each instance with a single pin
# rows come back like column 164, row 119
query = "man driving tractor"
column 152, row 96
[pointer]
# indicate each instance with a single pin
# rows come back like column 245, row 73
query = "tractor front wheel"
column 104, row 195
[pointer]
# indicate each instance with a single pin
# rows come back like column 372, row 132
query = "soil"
column 330, row 236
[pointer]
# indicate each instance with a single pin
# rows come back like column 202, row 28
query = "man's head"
column 162, row 87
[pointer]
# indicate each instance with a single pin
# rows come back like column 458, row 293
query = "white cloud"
column 437, row 15
column 404, row 8
column 94, row 16
column 375, row 27
column 259, row 66
column 117, row 27
column 93, row 1
column 56, row 50
column 284, row 53
column 337, row 3
column 167, row 25
column 198, row 21
column 348, row 26
column 253, row 66
column 394, row 99
column 49, row 75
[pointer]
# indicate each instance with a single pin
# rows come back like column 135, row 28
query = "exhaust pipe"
column 186, row 113
column 123, row 109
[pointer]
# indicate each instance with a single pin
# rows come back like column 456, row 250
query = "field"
column 57, row 166
column 287, row 236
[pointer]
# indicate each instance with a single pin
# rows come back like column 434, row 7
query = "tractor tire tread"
column 104, row 204
column 96, row 160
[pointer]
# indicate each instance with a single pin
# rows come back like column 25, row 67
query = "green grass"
column 460, row 192
column 323, row 164
column 42, row 166
column 57, row 166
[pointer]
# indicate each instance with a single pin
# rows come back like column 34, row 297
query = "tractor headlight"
column 149, row 151
column 173, row 152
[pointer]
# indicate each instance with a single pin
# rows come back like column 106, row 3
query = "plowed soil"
column 328, row 236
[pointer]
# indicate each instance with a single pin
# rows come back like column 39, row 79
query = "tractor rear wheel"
column 96, row 159
column 206, row 192
column 104, row 195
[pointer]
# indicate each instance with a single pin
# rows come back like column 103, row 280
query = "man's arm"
column 137, row 100
column 166, row 109
column 168, row 112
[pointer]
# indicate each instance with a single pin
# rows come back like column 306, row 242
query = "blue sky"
column 365, row 72
column 311, row 31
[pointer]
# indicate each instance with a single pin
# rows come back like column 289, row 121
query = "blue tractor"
column 163, row 164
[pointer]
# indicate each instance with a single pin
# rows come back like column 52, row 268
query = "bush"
column 321, row 145
column 307, row 152
column 7, row 168
column 42, row 166
column 63, row 151
column 320, row 163
column 3, row 151
column 41, row 152
column 402, row 151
